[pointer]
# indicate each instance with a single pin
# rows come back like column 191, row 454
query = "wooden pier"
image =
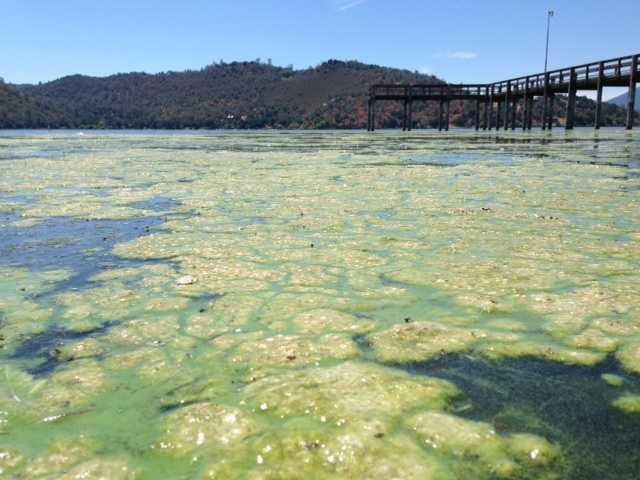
column 496, row 104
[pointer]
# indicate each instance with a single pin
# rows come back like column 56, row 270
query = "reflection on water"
column 325, row 304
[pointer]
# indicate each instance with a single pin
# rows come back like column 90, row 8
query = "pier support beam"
column 507, row 103
column 530, row 113
column 485, row 123
column 552, row 98
column 525, row 107
column 404, row 116
column 447, row 115
column 373, row 115
column 571, row 101
column 490, row 107
column 598, row 120
column 478, row 110
column 514, row 110
column 631, row 104
column 369, row 115
column 498, row 109
column 545, row 104
column 410, row 115
column 440, row 115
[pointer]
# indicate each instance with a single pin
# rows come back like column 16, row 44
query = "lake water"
column 281, row 305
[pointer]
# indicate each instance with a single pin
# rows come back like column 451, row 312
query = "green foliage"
column 242, row 95
column 20, row 110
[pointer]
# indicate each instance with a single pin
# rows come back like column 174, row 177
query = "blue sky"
column 460, row 41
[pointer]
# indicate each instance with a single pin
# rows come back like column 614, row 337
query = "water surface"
column 273, row 305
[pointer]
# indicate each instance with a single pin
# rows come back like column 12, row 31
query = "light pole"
column 546, row 53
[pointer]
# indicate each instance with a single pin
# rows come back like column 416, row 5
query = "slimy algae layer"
column 323, row 305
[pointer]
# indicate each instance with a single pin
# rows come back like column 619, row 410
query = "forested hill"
column 233, row 95
column 21, row 110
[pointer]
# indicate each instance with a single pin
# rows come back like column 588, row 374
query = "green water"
column 285, row 305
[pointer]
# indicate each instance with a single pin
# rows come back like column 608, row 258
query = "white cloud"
column 343, row 5
column 459, row 55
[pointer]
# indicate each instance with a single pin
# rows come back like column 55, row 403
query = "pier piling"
column 477, row 112
column 525, row 106
column 447, row 115
column 545, row 100
column 599, row 88
column 571, row 101
column 507, row 103
column 373, row 116
column 631, row 104
column 404, row 116
column 491, row 107
column 487, row 103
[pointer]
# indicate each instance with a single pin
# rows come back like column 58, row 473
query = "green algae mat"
column 317, row 305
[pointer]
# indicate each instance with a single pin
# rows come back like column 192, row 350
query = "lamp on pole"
column 546, row 53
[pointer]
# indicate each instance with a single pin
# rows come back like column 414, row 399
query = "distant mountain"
column 236, row 95
column 621, row 100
